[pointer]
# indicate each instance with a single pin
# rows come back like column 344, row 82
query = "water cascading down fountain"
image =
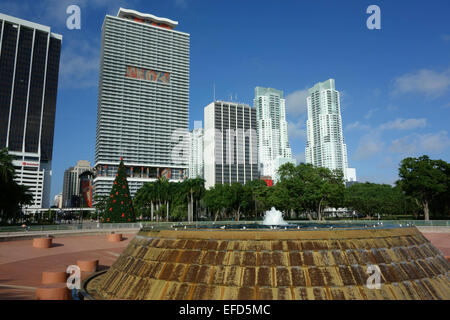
column 259, row 261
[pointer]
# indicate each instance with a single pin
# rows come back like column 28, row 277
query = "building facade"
column 143, row 100
column 71, row 183
column 230, row 143
column 57, row 201
column 29, row 67
column 325, row 145
column 196, row 169
column 273, row 142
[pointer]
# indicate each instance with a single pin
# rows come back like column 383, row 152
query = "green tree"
column 425, row 180
column 6, row 166
column 100, row 204
column 12, row 195
column 119, row 207
column 195, row 190
column 215, row 200
column 372, row 199
column 308, row 188
column 256, row 192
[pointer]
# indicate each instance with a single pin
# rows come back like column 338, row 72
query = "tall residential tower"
column 143, row 100
column 273, row 143
column 29, row 67
column 196, row 169
column 325, row 145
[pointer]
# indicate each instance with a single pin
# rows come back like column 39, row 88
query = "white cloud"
column 421, row 143
column 369, row 145
column 296, row 130
column 404, row 124
column 357, row 126
column 370, row 113
column 428, row 82
column 79, row 65
column 296, row 102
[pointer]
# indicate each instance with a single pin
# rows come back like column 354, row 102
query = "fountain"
column 274, row 260
column 274, row 218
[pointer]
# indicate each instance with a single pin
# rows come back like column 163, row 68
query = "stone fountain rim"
column 269, row 234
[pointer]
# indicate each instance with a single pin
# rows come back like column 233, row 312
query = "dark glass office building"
column 29, row 66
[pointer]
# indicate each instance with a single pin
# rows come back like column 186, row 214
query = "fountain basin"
column 251, row 264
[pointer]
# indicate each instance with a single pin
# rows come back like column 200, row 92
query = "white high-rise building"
column 143, row 101
column 57, row 200
column 325, row 145
column 196, row 169
column 273, row 143
column 230, row 143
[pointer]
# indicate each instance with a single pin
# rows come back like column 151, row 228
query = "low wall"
column 59, row 234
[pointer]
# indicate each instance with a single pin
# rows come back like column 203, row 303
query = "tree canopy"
column 12, row 195
column 426, row 181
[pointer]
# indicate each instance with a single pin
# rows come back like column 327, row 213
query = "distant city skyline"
column 394, row 82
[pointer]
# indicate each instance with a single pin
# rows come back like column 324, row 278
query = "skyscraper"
column 143, row 100
column 71, row 184
column 325, row 145
column 230, row 143
column 196, row 169
column 29, row 67
column 273, row 143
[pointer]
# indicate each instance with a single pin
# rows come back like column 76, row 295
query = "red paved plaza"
column 21, row 265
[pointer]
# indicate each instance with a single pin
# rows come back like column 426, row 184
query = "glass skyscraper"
column 143, row 100
column 325, row 145
column 29, row 67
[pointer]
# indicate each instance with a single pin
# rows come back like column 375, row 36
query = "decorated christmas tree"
column 119, row 207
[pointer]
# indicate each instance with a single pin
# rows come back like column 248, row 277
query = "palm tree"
column 6, row 166
column 198, row 186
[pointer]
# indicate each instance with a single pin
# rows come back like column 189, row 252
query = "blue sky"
column 395, row 82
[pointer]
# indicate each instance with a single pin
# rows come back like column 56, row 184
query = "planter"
column 88, row 265
column 49, row 277
column 114, row 237
column 42, row 243
column 54, row 291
